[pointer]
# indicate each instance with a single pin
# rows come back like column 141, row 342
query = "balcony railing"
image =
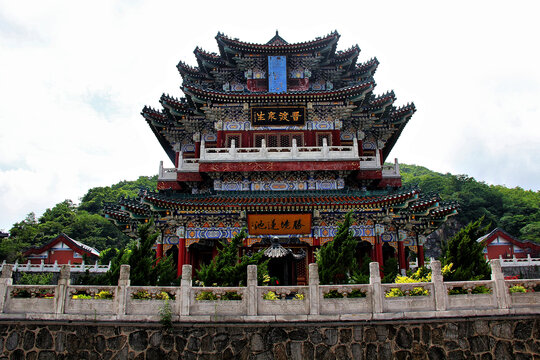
column 293, row 153
column 255, row 303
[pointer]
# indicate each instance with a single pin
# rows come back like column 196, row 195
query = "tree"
column 144, row 269
column 228, row 268
column 466, row 254
column 337, row 258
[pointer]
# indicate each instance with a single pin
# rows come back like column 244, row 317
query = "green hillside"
column 515, row 210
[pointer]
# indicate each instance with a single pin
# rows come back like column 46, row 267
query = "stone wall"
column 508, row 337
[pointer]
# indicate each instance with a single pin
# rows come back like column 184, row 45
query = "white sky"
column 74, row 77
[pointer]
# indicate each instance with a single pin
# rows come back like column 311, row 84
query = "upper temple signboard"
column 278, row 115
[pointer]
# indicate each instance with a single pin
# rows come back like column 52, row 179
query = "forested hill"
column 515, row 210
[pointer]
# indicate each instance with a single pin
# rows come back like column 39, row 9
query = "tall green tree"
column 337, row 258
column 228, row 268
column 466, row 254
column 144, row 269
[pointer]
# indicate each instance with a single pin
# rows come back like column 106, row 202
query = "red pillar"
column 197, row 149
column 420, row 255
column 379, row 254
column 159, row 252
column 219, row 139
column 401, row 256
column 181, row 255
column 381, row 156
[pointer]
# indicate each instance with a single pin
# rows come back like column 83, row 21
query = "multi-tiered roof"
column 343, row 172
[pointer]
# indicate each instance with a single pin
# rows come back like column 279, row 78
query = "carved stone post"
column 441, row 294
column 6, row 280
column 376, row 288
column 252, row 290
column 500, row 291
column 185, row 289
column 61, row 289
column 314, row 300
column 121, row 291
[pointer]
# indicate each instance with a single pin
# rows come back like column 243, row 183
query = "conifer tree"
column 336, row 259
column 466, row 254
column 228, row 268
column 144, row 269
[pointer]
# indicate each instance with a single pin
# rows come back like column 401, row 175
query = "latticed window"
column 322, row 136
column 272, row 141
column 258, row 140
column 235, row 137
column 279, row 140
column 299, row 139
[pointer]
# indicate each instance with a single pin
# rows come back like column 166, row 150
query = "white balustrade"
column 519, row 262
column 312, row 302
column 42, row 267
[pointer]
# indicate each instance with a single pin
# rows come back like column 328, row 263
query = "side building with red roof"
column 61, row 250
column 499, row 243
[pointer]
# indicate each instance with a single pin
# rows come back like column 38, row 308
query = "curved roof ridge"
column 227, row 39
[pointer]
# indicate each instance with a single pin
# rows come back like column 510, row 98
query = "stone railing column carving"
column 185, row 288
column 500, row 291
column 252, row 290
column 121, row 291
column 314, row 300
column 61, row 289
column 5, row 280
column 441, row 294
column 376, row 288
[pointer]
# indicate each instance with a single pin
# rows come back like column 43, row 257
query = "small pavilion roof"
column 73, row 244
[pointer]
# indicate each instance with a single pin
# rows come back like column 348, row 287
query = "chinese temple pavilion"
column 283, row 140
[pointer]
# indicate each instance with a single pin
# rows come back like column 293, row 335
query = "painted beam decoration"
column 279, row 224
column 278, row 115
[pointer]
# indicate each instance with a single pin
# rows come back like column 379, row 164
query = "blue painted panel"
column 277, row 74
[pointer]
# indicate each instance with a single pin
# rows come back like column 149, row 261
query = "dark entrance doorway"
column 282, row 269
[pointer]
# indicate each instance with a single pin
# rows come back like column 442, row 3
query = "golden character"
column 283, row 116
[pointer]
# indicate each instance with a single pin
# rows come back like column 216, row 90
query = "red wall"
column 62, row 256
column 506, row 251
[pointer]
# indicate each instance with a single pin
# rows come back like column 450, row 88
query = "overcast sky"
column 75, row 75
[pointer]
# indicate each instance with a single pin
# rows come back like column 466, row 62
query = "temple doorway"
column 286, row 265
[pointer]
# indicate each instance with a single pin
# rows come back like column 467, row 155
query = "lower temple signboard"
column 279, row 224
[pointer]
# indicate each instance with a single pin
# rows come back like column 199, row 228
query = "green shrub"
column 517, row 289
column 35, row 279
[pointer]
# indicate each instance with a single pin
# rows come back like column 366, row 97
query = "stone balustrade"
column 518, row 262
column 254, row 303
column 42, row 267
column 264, row 153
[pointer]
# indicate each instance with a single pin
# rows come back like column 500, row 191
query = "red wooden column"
column 420, row 255
column 159, row 251
column 379, row 253
column 420, row 252
column 401, row 257
column 197, row 140
column 181, row 255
